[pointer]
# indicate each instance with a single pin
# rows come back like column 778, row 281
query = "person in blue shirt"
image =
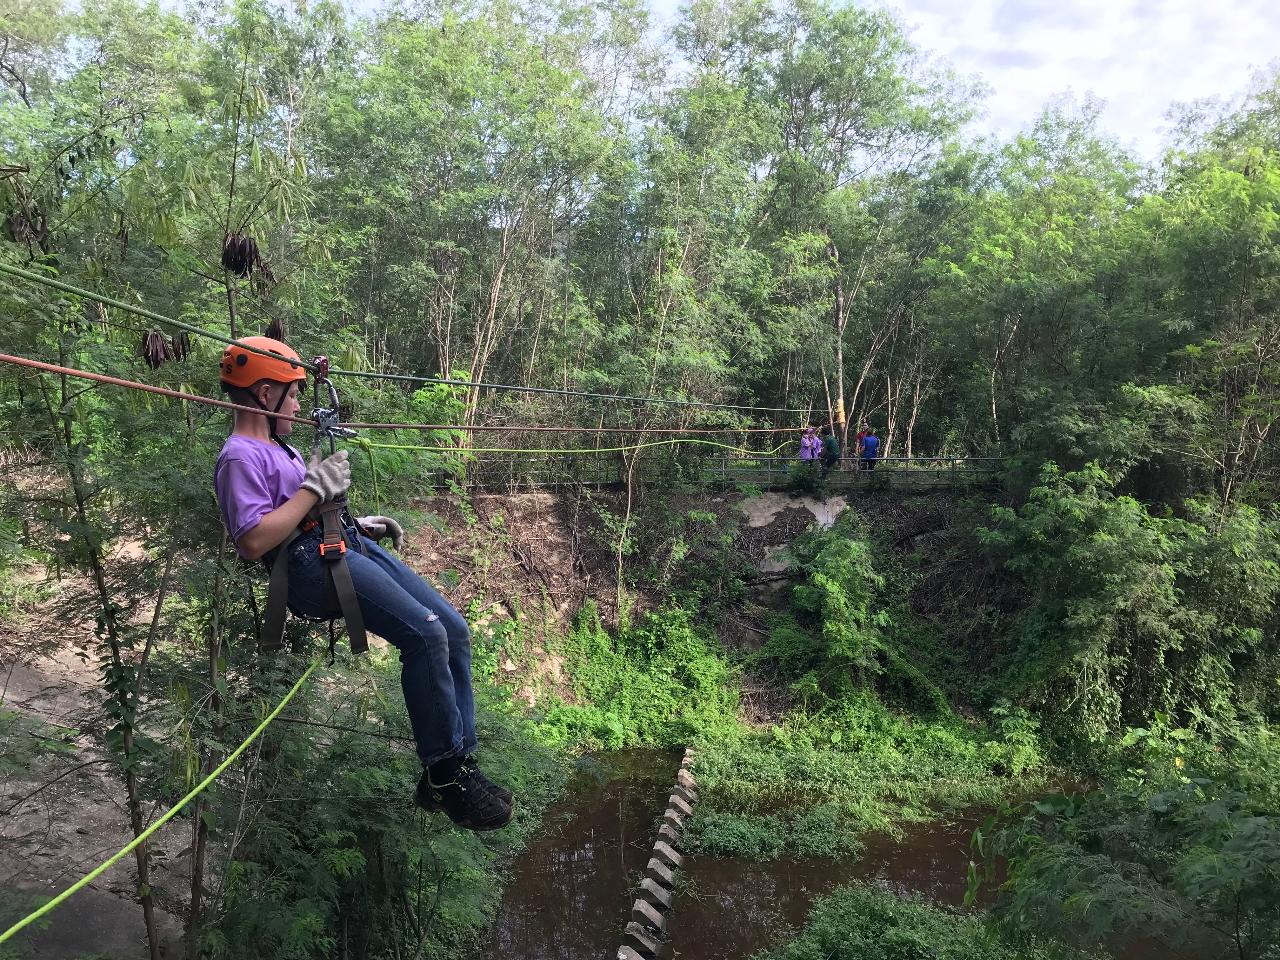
column 870, row 449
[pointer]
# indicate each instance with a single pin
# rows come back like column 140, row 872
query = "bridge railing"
column 777, row 470
column 513, row 473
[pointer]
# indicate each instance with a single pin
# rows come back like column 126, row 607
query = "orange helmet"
column 244, row 368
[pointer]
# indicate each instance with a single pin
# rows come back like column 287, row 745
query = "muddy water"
column 735, row 906
column 568, row 898
column 571, row 891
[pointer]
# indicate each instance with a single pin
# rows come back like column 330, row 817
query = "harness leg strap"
column 277, row 597
column 333, row 551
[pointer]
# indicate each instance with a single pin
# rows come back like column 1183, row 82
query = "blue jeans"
column 433, row 638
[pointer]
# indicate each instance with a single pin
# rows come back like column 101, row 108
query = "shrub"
column 864, row 923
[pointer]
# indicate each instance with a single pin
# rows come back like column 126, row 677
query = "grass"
column 812, row 783
column 659, row 682
column 864, row 923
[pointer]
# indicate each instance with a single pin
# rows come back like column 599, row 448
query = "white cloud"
column 1140, row 56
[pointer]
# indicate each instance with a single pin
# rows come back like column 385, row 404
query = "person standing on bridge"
column 269, row 500
column 830, row 450
column 857, row 447
column 870, row 449
column 810, row 447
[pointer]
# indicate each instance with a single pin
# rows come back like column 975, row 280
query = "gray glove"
column 328, row 478
column 379, row 528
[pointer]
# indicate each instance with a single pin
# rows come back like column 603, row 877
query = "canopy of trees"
column 780, row 204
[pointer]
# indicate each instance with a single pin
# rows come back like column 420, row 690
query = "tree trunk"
column 231, row 194
column 839, row 320
column 111, row 627
column 626, row 527
column 995, row 368
column 200, row 842
column 892, row 397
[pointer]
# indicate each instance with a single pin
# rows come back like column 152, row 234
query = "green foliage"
column 805, row 479
column 1130, row 613
column 660, row 682
column 864, row 923
column 817, row 781
column 1185, row 842
column 691, row 554
column 846, row 761
column 824, row 830
column 510, row 192
column 840, row 636
column 343, row 854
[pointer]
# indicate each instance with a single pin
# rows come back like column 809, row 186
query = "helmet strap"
column 271, row 425
column 271, row 419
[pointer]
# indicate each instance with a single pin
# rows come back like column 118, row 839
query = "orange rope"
column 134, row 385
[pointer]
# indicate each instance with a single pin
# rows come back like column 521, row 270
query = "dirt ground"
column 51, row 837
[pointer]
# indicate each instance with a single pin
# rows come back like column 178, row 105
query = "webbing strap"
column 333, row 552
column 277, row 597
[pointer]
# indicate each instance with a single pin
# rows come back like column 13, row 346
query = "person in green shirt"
column 830, row 450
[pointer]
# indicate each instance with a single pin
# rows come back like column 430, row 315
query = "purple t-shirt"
column 252, row 478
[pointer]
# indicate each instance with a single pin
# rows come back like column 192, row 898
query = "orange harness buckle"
column 326, row 548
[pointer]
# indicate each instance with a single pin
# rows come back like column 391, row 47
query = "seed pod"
column 181, row 345
column 240, row 254
column 229, row 246
column 275, row 329
column 155, row 349
column 263, row 276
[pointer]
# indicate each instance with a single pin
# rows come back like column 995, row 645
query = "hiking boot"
column 502, row 793
column 427, row 802
column 453, row 787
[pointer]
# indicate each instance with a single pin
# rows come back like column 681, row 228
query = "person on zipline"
column 266, row 492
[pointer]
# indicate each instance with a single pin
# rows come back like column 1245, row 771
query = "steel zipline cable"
column 44, row 367
column 561, row 392
column 372, row 375
column 133, row 308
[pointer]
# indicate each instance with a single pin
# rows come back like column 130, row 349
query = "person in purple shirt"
column 266, row 492
column 810, row 446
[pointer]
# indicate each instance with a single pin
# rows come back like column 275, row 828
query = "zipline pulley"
column 327, row 418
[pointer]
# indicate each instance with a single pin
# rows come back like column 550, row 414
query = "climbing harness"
column 332, row 519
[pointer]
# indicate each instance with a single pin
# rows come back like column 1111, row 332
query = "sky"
column 1139, row 56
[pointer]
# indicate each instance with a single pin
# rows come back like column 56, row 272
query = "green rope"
column 373, row 469
column 169, row 815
